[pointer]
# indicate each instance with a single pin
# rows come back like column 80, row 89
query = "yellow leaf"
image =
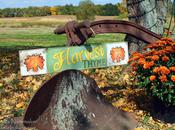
column 19, row 105
column 126, row 77
column 35, row 87
column 127, row 109
column 29, row 79
column 119, row 103
column 139, row 128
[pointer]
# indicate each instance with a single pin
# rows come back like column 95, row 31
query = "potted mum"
column 155, row 70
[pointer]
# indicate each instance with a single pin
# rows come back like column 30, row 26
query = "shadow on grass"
column 6, row 49
column 156, row 108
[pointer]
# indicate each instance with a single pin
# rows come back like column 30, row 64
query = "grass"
column 29, row 37
column 35, row 32
column 44, row 37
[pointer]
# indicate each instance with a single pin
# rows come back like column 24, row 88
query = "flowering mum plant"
column 155, row 69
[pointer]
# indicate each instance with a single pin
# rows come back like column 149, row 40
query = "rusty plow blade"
column 71, row 100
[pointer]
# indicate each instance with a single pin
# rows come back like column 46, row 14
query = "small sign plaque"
column 51, row 60
column 33, row 62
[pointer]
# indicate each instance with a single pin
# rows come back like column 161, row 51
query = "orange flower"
column 163, row 78
column 151, row 63
column 133, row 59
column 169, row 49
column 155, row 57
column 149, row 53
column 164, row 70
column 173, row 78
column 156, row 70
column 160, row 52
column 148, row 57
column 172, row 68
column 165, row 58
column 136, row 56
column 162, row 43
column 151, row 46
column 141, row 61
column 148, row 65
column 152, row 77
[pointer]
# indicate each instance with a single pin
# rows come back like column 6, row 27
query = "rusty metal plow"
column 78, row 33
column 72, row 100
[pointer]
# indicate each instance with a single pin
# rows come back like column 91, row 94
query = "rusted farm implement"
column 72, row 100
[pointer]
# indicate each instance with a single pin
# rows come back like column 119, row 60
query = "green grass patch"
column 44, row 37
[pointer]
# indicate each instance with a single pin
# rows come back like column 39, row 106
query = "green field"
column 44, row 37
column 19, row 33
column 34, row 32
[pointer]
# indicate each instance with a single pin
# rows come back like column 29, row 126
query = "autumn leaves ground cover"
column 118, row 86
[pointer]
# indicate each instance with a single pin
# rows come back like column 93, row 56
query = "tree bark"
column 149, row 13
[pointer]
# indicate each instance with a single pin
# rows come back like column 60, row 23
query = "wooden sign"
column 51, row 60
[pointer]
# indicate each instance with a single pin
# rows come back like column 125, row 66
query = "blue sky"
column 26, row 3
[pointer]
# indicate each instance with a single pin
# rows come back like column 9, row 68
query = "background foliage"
column 103, row 10
column 86, row 10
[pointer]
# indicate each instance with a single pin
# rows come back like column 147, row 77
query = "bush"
column 155, row 70
column 86, row 10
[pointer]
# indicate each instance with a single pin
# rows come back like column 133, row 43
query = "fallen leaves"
column 117, row 85
column 19, row 105
column 15, row 91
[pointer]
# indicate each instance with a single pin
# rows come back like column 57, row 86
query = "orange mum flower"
column 165, row 58
column 156, row 70
column 148, row 57
column 149, row 53
column 163, row 78
column 152, row 77
column 164, row 70
column 172, row 68
column 155, row 57
column 141, row 61
column 162, row 42
column 173, row 78
column 151, row 63
column 169, row 49
column 148, row 65
column 160, row 52
column 137, row 54
column 133, row 59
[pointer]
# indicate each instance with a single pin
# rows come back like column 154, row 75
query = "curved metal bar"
column 115, row 26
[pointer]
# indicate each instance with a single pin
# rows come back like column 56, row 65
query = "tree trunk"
column 149, row 13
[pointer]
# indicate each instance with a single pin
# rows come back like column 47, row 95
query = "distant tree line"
column 103, row 10
column 25, row 12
